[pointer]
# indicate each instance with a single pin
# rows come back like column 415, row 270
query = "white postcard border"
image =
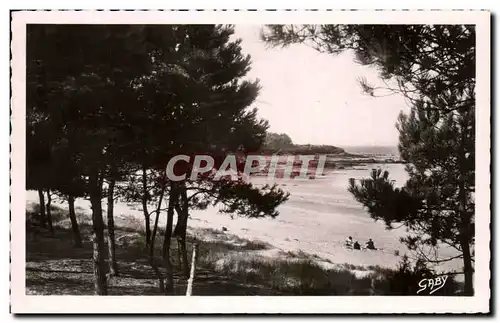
column 22, row 303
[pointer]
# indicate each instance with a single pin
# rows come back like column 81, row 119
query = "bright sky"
column 315, row 98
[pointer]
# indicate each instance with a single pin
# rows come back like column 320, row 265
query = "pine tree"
column 117, row 99
column 211, row 114
column 433, row 67
column 79, row 80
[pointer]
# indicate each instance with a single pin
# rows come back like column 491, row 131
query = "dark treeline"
column 109, row 105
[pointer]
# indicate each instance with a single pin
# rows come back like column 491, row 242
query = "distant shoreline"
column 342, row 156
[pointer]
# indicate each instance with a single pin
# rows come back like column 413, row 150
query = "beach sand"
column 317, row 219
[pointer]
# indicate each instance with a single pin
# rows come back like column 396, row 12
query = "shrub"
column 405, row 279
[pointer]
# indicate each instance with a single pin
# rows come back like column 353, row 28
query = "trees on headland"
column 282, row 144
column 433, row 67
column 277, row 141
column 115, row 100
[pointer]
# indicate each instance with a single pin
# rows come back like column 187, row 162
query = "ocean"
column 375, row 151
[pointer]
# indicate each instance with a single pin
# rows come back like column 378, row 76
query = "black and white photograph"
column 321, row 156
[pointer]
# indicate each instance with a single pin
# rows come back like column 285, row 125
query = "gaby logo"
column 233, row 167
column 432, row 284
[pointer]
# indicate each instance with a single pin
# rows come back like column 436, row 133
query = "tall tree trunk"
column 465, row 217
column 98, row 259
column 181, row 230
column 468, row 270
column 113, row 266
column 74, row 222
column 152, row 259
column 42, row 208
column 179, row 254
column 49, row 213
column 145, row 195
column 169, row 281
column 465, row 233
column 183, row 250
column 158, row 211
column 177, row 229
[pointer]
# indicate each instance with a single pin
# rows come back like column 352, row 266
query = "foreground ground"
column 227, row 265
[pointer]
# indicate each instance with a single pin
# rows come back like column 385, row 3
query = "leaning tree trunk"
column 189, row 289
column 49, row 213
column 42, row 208
column 169, row 280
column 98, row 259
column 152, row 259
column 74, row 222
column 145, row 195
column 113, row 266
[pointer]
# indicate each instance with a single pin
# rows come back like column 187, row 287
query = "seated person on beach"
column 356, row 246
column 370, row 245
column 348, row 242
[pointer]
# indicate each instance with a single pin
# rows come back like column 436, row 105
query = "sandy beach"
column 317, row 219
